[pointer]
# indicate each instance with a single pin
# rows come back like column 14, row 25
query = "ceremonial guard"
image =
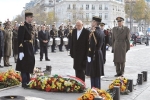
column 105, row 43
column 26, row 60
column 79, row 49
column 120, row 45
column 15, row 42
column 7, row 44
column 95, row 56
column 53, row 34
column 61, row 35
column 44, row 37
column 1, row 43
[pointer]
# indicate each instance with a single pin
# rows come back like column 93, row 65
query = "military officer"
column 7, row 44
column 120, row 45
column 26, row 62
column 1, row 43
column 61, row 35
column 95, row 56
column 53, row 34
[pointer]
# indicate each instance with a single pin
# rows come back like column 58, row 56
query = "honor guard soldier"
column 1, row 43
column 61, row 35
column 53, row 34
column 106, row 41
column 95, row 56
column 120, row 45
column 26, row 62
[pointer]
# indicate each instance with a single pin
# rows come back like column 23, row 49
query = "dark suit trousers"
column 43, row 49
column 96, row 82
column 120, row 68
column 25, row 78
column 80, row 74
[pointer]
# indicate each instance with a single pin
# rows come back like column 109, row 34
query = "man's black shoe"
column 47, row 59
column 61, row 51
column 40, row 59
column 9, row 65
column 25, row 86
column 53, row 52
column 6, row 65
column 1, row 66
column 117, row 75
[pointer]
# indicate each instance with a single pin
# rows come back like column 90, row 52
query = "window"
column 87, row 7
column 69, row 6
column 106, row 16
column 106, row 7
column 81, row 7
column 93, row 7
column 69, row 16
column 93, row 14
column 100, row 7
column 100, row 15
column 74, row 6
column 87, row 15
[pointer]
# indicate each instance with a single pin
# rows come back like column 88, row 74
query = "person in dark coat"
column 26, row 60
column 147, row 40
column 69, row 39
column 43, row 37
column 79, row 48
column 95, row 55
column 15, row 41
column 53, row 34
column 105, row 42
column 1, row 43
column 61, row 35
column 134, row 38
column 66, row 34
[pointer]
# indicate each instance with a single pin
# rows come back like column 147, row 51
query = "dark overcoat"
column 61, row 35
column 15, row 42
column 1, row 43
column 95, row 53
column 27, row 64
column 43, row 36
column 120, row 43
column 79, row 49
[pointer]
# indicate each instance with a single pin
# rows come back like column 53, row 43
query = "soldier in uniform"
column 95, row 56
column 8, row 44
column 53, row 34
column 105, row 42
column 1, row 43
column 61, row 35
column 26, row 60
column 120, row 45
column 15, row 41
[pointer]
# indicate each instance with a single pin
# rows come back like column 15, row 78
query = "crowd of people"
column 87, row 46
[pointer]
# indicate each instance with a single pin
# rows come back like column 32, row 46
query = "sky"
column 10, row 8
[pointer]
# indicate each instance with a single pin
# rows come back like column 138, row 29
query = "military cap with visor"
column 119, row 19
column 28, row 14
column 97, row 19
column 102, row 24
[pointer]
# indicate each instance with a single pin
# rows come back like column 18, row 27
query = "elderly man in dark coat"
column 79, row 48
column 26, row 59
column 120, row 45
column 1, row 43
column 95, row 55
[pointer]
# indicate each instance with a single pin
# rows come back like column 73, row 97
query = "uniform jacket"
column 120, row 43
column 95, row 53
column 79, row 48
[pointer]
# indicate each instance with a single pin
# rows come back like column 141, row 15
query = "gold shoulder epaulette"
column 21, row 45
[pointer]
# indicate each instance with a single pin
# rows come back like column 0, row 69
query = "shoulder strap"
column 92, row 34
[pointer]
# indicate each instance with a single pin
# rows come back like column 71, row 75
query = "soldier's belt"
column 28, row 41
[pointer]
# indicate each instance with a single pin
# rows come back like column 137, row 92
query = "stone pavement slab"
column 137, row 60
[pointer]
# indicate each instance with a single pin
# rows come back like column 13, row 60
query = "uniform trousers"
column 15, row 57
column 25, row 78
column 120, row 68
column 96, row 82
column 80, row 74
column 6, row 60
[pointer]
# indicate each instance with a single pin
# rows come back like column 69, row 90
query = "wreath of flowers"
column 57, row 84
column 122, row 82
column 9, row 78
column 93, row 93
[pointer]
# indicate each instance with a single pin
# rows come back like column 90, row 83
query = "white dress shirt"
column 79, row 33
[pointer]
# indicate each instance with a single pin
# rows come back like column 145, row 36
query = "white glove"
column 21, row 55
column 89, row 59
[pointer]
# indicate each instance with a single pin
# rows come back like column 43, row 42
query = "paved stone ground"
column 137, row 60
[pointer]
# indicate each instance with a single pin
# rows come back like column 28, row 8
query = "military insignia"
column 89, row 49
column 21, row 45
